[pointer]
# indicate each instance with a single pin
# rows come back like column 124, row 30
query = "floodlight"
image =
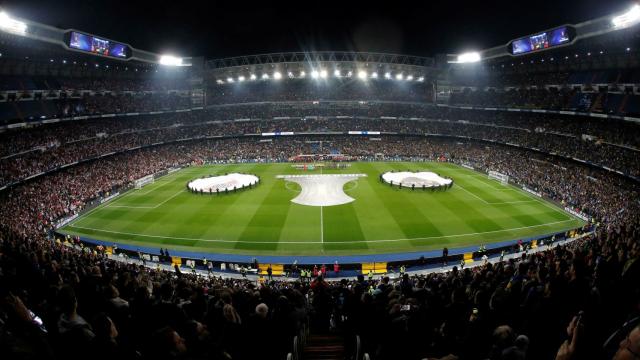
column 277, row 75
column 350, row 74
column 323, row 74
column 421, row 79
column 362, row 75
column 265, row 76
column 240, row 78
column 220, row 82
column 302, row 74
column 314, row 74
column 11, row 25
column 410, row 77
column 336, row 73
column 374, row 75
column 399, row 76
column 631, row 17
column 170, row 60
column 290, row 75
column 229, row 80
column 469, row 57
column 253, row 77
column 387, row 75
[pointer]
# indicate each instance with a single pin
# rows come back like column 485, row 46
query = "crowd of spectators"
column 61, row 302
column 326, row 89
column 624, row 102
column 27, row 152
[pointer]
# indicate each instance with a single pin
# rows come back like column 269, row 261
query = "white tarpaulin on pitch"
column 322, row 190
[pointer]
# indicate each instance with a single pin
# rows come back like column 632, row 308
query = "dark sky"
column 227, row 28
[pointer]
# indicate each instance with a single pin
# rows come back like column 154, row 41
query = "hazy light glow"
column 399, row 76
column 470, row 57
column 11, row 25
column 362, row 75
column 387, row 75
column 323, row 74
column 277, row 75
column 240, row 78
column 253, row 77
column 374, row 75
column 265, row 76
column 631, row 17
column 229, row 80
column 315, row 74
column 337, row 74
column 170, row 60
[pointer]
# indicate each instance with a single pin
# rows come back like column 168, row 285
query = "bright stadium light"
column 374, row 75
column 303, row 74
column 631, row 17
column 290, row 75
column 349, row 74
column 315, row 74
column 399, row 76
column 362, row 75
column 170, row 60
column 277, row 75
column 265, row 76
column 470, row 57
column 240, row 78
column 387, row 75
column 229, row 80
column 220, row 82
column 410, row 77
column 11, row 25
column 337, row 74
column 421, row 79
column 323, row 74
column 253, row 77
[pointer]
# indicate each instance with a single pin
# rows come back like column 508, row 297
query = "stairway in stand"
column 324, row 347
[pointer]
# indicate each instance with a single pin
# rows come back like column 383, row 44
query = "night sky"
column 217, row 29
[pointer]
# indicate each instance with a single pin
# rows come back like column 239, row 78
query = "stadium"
column 467, row 202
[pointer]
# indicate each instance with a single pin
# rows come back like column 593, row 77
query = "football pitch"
column 263, row 220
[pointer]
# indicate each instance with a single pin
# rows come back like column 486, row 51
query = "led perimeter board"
column 542, row 41
column 76, row 40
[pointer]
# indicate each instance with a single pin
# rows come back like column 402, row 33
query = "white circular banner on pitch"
column 223, row 182
column 408, row 179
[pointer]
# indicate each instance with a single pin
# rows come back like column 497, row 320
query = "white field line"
column 495, row 202
column 470, row 193
column 155, row 188
column 319, row 242
column 321, row 221
column 148, row 207
column 321, row 227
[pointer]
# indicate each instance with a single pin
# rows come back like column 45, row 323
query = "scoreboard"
column 78, row 41
column 542, row 41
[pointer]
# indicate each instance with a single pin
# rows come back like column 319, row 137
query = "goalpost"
column 504, row 179
column 143, row 181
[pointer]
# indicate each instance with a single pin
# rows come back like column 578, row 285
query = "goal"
column 504, row 179
column 143, row 181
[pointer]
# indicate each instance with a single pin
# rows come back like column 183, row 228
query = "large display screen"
column 545, row 40
column 95, row 45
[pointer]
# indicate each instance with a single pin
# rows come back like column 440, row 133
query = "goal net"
column 143, row 181
column 504, row 179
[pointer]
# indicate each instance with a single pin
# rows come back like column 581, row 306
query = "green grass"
column 263, row 220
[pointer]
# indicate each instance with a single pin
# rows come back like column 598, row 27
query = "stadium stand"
column 62, row 298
